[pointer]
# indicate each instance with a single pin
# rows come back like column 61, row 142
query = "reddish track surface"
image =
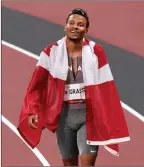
column 17, row 73
column 119, row 23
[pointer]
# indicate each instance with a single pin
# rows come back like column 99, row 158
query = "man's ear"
column 86, row 31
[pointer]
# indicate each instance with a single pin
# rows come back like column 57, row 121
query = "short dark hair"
column 81, row 12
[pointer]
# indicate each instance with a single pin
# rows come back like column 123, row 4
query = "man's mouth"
column 74, row 32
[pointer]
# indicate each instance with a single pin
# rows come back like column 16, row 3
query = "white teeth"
column 74, row 32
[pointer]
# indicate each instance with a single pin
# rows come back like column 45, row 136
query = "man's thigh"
column 83, row 147
column 67, row 143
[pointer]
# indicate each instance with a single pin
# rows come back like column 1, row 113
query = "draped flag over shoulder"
column 105, row 121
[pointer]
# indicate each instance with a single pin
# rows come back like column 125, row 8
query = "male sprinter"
column 71, row 132
column 72, row 93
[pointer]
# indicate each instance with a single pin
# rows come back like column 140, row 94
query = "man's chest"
column 75, row 71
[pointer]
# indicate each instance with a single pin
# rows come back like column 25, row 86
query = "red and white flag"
column 105, row 121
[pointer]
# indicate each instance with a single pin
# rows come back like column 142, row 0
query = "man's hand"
column 31, row 120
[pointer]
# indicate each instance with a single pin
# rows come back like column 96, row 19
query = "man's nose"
column 75, row 26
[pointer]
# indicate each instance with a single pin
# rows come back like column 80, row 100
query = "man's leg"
column 88, row 153
column 67, row 141
column 71, row 162
column 88, row 160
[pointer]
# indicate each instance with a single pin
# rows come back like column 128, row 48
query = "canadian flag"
column 105, row 121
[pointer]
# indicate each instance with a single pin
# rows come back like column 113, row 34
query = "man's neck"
column 74, row 46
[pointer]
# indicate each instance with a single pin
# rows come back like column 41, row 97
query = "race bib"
column 74, row 92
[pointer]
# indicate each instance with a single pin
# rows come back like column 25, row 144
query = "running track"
column 18, row 64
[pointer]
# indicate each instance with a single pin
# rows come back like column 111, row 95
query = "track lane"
column 12, row 72
column 118, row 23
column 34, row 34
column 15, row 152
column 21, row 67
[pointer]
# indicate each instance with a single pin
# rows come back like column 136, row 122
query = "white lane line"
column 125, row 106
column 132, row 111
column 35, row 150
column 20, row 50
